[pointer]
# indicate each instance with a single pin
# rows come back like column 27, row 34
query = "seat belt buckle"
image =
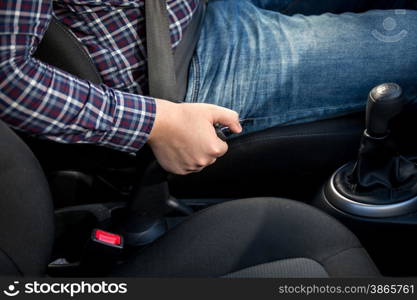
column 107, row 239
column 102, row 251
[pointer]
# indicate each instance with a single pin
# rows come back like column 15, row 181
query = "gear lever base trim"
column 335, row 198
column 365, row 133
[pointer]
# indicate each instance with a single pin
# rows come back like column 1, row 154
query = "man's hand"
column 183, row 137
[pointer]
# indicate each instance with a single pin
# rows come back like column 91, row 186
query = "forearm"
column 52, row 104
column 49, row 103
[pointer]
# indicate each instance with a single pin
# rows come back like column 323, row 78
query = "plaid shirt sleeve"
column 49, row 103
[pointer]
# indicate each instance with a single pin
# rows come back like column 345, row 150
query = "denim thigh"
column 277, row 69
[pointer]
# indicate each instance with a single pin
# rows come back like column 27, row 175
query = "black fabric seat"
column 26, row 210
column 263, row 237
column 259, row 237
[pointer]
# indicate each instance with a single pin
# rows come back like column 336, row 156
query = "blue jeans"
column 276, row 66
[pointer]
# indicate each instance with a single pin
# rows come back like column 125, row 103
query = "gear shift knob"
column 384, row 103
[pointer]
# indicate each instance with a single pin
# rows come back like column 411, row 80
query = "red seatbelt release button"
column 107, row 238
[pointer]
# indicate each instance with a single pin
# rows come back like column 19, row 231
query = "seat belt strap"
column 168, row 69
column 161, row 67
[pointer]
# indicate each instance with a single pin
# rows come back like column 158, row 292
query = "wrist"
column 164, row 112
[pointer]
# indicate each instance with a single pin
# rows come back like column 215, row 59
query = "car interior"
column 90, row 211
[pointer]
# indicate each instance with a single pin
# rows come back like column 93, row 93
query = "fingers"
column 200, row 167
column 197, row 170
column 228, row 118
column 180, row 150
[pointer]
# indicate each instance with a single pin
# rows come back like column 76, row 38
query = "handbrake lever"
column 151, row 201
column 223, row 132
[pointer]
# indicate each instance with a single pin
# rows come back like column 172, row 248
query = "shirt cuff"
column 133, row 118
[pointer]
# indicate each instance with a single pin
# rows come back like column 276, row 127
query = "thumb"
column 227, row 117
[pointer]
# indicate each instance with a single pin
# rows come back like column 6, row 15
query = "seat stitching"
column 277, row 260
column 12, row 261
column 339, row 252
column 270, row 138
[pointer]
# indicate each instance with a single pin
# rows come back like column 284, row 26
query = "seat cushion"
column 282, row 238
column 286, row 268
column 26, row 210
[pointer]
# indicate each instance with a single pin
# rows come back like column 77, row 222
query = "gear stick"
column 384, row 103
column 381, row 176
